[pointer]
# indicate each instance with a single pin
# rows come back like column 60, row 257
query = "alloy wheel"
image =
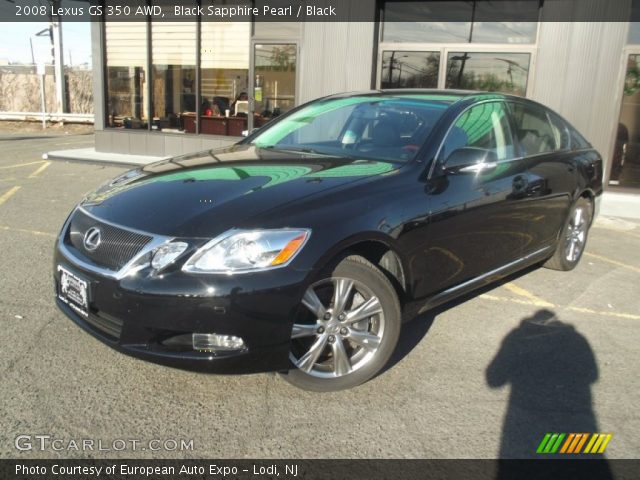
column 341, row 330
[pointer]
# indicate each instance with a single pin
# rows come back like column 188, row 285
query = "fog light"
column 213, row 341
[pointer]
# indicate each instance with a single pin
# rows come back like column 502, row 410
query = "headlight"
column 246, row 251
column 167, row 253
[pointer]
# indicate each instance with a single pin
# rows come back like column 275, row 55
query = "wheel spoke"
column 308, row 360
column 366, row 340
column 300, row 330
column 572, row 247
column 578, row 217
column 341, row 362
column 313, row 303
column 365, row 310
column 341, row 293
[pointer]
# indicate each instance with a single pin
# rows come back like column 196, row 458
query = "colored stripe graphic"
column 567, row 443
column 555, row 443
column 543, row 443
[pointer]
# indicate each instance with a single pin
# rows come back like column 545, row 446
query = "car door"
column 543, row 140
column 476, row 223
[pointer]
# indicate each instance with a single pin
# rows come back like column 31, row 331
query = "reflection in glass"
column 271, row 30
column 275, row 81
column 459, row 22
column 625, row 165
column 410, row 69
column 634, row 33
column 126, row 52
column 174, row 73
column 224, row 77
column 492, row 72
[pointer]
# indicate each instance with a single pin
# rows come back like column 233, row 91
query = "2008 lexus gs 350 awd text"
column 301, row 248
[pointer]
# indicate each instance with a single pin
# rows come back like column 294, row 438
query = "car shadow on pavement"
column 549, row 367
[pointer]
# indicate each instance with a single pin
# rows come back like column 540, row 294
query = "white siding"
column 336, row 57
column 578, row 70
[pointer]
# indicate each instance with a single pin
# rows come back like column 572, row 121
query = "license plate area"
column 74, row 291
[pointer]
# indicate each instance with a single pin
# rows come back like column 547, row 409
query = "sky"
column 14, row 42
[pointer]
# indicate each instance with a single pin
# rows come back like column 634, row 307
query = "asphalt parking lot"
column 485, row 377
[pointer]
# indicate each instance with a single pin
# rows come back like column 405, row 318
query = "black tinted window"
column 533, row 130
column 483, row 126
column 560, row 132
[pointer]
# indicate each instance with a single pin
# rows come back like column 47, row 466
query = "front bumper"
column 135, row 315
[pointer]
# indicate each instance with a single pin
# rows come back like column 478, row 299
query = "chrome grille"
column 117, row 246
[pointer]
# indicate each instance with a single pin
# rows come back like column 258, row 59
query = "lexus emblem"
column 92, row 238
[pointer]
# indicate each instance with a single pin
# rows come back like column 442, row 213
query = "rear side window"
column 560, row 132
column 484, row 126
column 534, row 131
column 578, row 142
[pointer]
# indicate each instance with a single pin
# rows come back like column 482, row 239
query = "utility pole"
column 58, row 60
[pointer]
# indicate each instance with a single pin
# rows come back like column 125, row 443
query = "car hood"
column 203, row 194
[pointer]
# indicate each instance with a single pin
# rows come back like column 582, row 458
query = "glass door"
column 625, row 163
column 273, row 88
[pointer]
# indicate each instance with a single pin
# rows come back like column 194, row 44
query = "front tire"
column 573, row 237
column 346, row 330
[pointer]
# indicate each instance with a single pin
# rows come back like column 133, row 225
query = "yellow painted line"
column 617, row 230
column 23, row 230
column 7, row 195
column 513, row 288
column 626, row 316
column 40, row 170
column 612, row 262
column 519, row 301
column 18, row 165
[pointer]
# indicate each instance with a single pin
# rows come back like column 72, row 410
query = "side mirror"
column 246, row 133
column 470, row 160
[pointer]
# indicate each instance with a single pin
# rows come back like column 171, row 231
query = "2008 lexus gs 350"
column 303, row 247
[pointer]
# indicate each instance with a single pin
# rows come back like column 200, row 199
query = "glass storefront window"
column 127, row 76
column 625, row 164
column 275, row 80
column 634, row 33
column 173, row 74
column 410, row 69
column 466, row 22
column 224, row 67
column 493, row 72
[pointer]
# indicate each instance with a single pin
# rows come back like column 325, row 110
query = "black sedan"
column 302, row 248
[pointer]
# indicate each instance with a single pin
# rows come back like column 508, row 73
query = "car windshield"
column 378, row 127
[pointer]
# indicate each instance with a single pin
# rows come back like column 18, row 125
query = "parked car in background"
column 298, row 249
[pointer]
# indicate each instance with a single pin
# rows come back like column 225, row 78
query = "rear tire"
column 346, row 330
column 573, row 238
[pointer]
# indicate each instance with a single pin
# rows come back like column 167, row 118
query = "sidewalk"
column 90, row 155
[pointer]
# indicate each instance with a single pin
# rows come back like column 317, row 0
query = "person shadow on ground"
column 550, row 368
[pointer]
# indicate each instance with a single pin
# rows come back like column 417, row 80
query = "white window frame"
column 445, row 48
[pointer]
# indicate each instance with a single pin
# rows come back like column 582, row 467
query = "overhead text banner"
column 317, row 11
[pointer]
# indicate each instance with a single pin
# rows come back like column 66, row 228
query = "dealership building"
column 168, row 88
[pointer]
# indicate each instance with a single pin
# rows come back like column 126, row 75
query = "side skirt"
column 485, row 279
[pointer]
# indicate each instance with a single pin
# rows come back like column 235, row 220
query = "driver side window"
column 484, row 127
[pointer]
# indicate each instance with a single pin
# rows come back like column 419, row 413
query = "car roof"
column 433, row 94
